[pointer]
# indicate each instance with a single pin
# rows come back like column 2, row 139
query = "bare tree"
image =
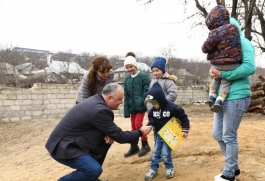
column 115, row 62
column 168, row 54
column 65, row 65
column 250, row 14
column 147, row 60
column 84, row 60
column 64, row 56
column 8, row 61
column 39, row 60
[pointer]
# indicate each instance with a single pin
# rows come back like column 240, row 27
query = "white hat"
column 130, row 60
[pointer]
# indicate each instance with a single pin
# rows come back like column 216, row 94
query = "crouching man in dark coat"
column 83, row 137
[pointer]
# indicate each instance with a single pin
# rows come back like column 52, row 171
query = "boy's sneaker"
column 170, row 173
column 210, row 101
column 217, row 106
column 150, row 175
column 221, row 177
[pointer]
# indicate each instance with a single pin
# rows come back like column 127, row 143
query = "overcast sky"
column 112, row 27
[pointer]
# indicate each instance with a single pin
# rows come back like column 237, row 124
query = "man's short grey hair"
column 111, row 89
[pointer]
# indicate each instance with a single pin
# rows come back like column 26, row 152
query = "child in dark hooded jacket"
column 161, row 112
column 223, row 48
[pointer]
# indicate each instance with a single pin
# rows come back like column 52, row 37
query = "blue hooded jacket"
column 167, row 110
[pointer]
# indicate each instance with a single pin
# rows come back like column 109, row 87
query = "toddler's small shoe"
column 150, row 175
column 170, row 173
column 221, row 177
column 217, row 106
column 210, row 101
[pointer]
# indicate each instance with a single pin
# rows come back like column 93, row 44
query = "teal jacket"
column 135, row 90
column 240, row 86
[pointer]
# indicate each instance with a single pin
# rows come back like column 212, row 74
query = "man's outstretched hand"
column 108, row 140
column 146, row 129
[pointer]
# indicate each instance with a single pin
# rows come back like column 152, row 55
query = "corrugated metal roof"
column 61, row 67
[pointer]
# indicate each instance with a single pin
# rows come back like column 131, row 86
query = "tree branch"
column 147, row 2
column 202, row 9
column 249, row 16
column 262, row 22
column 259, row 44
column 234, row 7
column 256, row 32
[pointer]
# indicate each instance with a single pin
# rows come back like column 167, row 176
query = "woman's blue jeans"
column 225, row 125
column 161, row 149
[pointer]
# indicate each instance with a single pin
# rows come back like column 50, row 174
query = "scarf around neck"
column 101, row 80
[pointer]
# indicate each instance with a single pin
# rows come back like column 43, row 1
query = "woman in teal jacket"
column 136, row 85
column 227, row 121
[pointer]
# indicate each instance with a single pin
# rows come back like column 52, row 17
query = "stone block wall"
column 39, row 102
column 189, row 95
column 54, row 100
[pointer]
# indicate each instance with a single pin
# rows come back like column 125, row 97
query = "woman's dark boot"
column 145, row 149
column 133, row 149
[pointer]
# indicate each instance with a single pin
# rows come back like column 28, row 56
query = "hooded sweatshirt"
column 240, row 86
column 159, row 117
column 223, row 43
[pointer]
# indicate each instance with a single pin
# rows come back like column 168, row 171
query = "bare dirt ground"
column 23, row 156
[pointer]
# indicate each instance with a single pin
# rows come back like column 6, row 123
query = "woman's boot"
column 145, row 149
column 133, row 149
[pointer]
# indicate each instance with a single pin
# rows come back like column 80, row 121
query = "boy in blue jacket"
column 161, row 112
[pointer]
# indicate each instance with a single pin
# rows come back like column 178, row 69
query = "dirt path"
column 23, row 156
